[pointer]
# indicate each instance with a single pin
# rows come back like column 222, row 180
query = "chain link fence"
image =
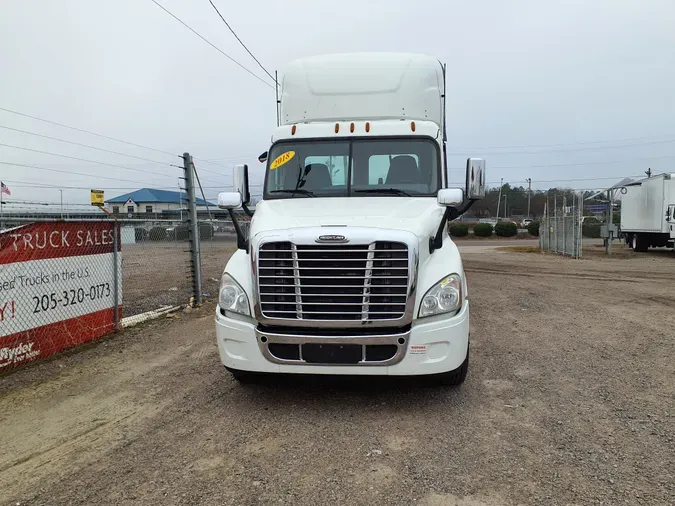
column 66, row 281
column 218, row 241
column 560, row 229
column 156, row 264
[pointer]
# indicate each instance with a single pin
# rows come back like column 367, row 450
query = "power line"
column 210, row 43
column 85, row 160
column 74, row 173
column 84, row 145
column 37, row 202
column 86, row 131
column 562, row 144
column 240, row 41
column 29, row 184
column 582, row 163
column 95, row 161
column 571, row 150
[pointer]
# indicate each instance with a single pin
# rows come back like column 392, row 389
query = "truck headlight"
column 444, row 297
column 232, row 296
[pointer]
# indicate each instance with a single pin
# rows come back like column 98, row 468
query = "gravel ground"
column 570, row 400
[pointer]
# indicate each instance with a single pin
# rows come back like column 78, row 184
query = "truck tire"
column 456, row 377
column 639, row 243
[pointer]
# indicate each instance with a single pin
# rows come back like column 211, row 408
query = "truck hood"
column 419, row 215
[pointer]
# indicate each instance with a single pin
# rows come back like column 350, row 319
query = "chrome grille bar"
column 296, row 282
column 366, row 285
column 333, row 283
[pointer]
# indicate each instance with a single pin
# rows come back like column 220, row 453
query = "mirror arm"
column 451, row 213
column 242, row 243
column 248, row 212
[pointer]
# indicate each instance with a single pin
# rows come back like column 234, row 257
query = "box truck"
column 648, row 212
column 347, row 267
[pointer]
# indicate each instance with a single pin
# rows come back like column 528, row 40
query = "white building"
column 148, row 200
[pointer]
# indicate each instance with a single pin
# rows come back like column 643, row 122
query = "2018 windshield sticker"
column 282, row 159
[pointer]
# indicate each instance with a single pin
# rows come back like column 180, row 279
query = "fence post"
column 581, row 225
column 564, row 228
column 555, row 214
column 116, row 281
column 193, row 229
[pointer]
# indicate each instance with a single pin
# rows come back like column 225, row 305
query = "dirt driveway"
column 570, row 399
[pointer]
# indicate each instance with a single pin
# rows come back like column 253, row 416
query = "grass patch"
column 520, row 249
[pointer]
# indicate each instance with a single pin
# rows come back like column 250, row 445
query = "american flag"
column 4, row 189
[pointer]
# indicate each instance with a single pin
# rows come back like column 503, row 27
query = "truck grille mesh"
column 333, row 282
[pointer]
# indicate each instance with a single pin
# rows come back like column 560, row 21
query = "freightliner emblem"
column 332, row 238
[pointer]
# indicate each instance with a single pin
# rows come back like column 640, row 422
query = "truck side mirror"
column 263, row 157
column 475, row 178
column 241, row 183
column 229, row 200
column 450, row 197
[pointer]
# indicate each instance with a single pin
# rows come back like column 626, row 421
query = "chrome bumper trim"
column 390, row 339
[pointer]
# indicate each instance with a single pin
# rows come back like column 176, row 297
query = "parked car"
column 526, row 222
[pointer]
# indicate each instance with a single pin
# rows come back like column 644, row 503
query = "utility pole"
column 499, row 200
column 609, row 221
column 61, row 203
column 193, row 228
column 529, row 194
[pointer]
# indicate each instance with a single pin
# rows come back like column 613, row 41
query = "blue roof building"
column 148, row 200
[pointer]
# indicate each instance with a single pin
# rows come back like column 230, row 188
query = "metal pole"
column 506, row 214
column 555, row 220
column 564, row 248
column 499, row 200
column 116, row 281
column 276, row 91
column 180, row 200
column 193, row 227
column 529, row 194
column 610, row 220
column 580, row 231
column 61, row 203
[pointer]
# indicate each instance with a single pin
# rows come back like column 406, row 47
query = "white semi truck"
column 648, row 212
column 347, row 267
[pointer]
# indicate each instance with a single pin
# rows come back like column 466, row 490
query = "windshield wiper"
column 293, row 192
column 390, row 191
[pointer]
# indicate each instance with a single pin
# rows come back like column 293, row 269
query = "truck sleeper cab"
column 347, row 267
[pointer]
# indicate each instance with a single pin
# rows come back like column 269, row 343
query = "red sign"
column 57, row 288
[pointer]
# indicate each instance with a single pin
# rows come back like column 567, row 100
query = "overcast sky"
column 520, row 73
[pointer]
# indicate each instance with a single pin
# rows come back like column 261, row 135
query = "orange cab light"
column 351, row 128
column 367, row 126
column 337, row 127
column 412, row 126
column 293, row 130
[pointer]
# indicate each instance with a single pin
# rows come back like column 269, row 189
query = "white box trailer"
column 647, row 212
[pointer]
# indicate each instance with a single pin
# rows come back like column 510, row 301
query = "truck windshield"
column 353, row 167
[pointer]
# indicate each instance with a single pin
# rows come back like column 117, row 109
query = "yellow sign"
column 97, row 198
column 282, row 159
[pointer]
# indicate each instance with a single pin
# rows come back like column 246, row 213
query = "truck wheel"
column 456, row 377
column 639, row 243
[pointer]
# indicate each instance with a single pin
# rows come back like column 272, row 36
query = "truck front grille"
column 333, row 282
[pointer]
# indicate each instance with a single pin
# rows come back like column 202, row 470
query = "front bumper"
column 433, row 345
